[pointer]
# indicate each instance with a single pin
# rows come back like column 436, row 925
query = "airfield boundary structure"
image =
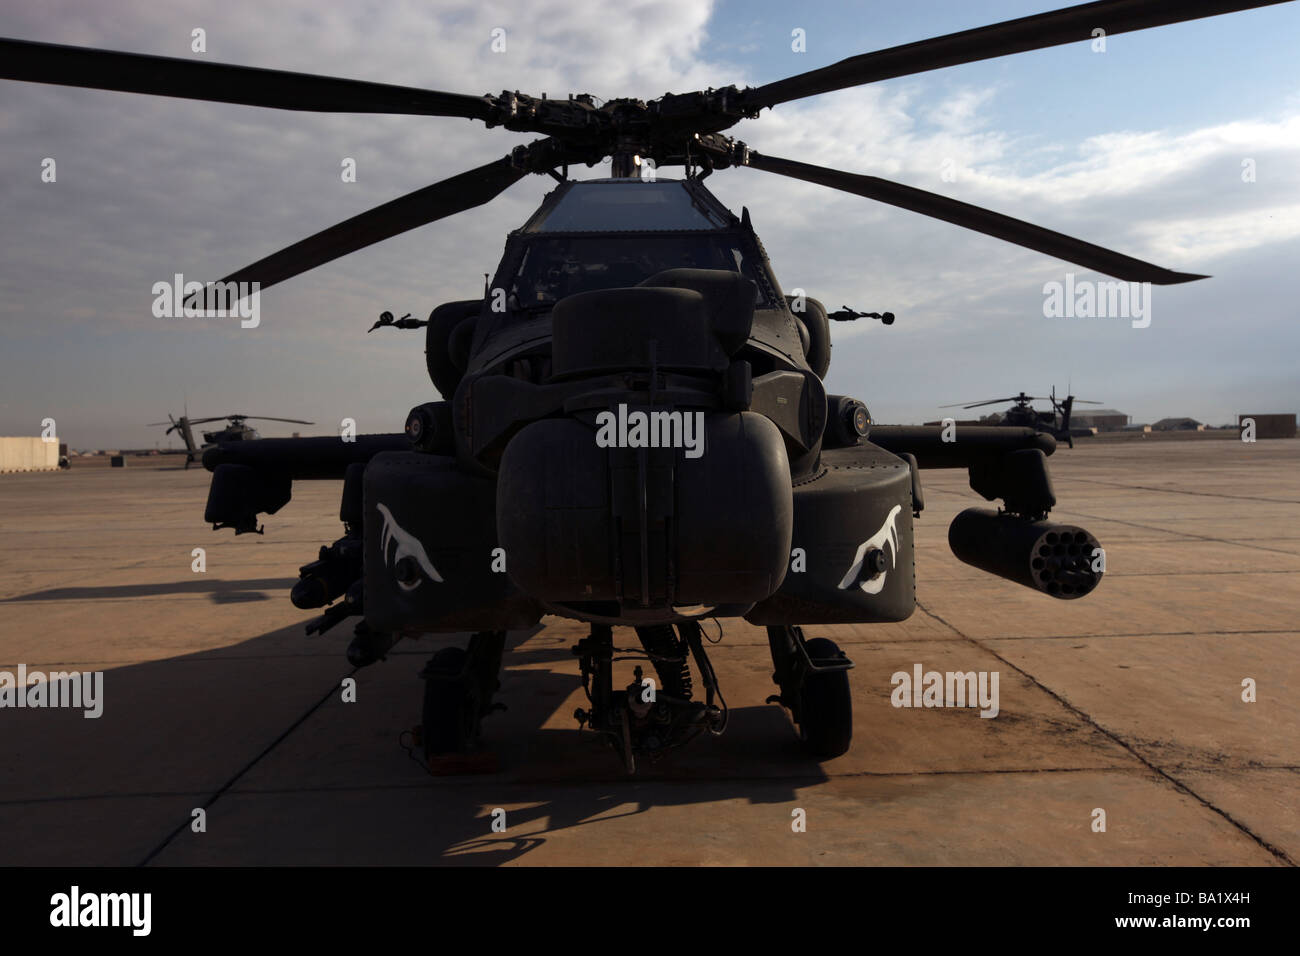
column 28, row 454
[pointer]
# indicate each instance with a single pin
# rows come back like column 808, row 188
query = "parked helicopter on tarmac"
column 235, row 430
column 1023, row 415
column 621, row 297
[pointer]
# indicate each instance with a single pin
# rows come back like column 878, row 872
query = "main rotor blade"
column 223, row 83
column 1034, row 32
column 987, row 401
column 268, row 418
column 469, row 189
column 978, row 219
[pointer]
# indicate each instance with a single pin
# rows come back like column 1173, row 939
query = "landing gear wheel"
column 451, row 705
column 825, row 706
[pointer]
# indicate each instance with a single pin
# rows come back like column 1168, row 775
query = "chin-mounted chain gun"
column 845, row 314
column 405, row 322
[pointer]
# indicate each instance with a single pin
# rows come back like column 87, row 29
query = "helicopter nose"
column 589, row 517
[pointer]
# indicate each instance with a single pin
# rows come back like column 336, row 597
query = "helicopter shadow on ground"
column 591, row 793
column 219, row 591
column 559, row 784
column 256, row 730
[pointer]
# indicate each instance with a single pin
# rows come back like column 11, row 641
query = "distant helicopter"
column 235, row 431
column 1056, row 422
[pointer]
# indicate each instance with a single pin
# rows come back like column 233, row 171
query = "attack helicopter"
column 629, row 324
column 235, row 430
column 1022, row 414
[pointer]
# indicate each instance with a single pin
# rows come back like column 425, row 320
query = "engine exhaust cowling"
column 1060, row 560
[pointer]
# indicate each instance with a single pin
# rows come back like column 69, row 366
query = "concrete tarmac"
column 1127, row 702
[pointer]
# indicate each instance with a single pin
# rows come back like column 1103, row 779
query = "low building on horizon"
column 1178, row 425
column 1270, row 425
column 1102, row 419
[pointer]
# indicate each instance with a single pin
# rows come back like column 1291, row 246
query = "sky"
column 1139, row 148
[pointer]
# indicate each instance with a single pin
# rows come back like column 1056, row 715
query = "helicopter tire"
column 826, row 706
column 451, row 705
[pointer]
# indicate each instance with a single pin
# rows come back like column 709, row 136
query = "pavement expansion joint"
column 224, row 788
column 1118, row 739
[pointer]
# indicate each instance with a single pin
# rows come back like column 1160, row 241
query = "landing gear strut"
column 646, row 719
column 814, row 681
column 458, row 688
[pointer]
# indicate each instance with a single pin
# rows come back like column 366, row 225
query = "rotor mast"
column 629, row 152
column 624, row 163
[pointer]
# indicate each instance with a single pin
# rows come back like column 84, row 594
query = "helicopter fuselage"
column 621, row 298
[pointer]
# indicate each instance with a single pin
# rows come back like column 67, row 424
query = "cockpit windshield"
column 622, row 205
column 554, row 268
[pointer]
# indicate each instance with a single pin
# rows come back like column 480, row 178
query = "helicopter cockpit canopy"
column 623, row 205
column 614, row 233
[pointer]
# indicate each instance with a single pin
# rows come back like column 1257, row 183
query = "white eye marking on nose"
column 887, row 535
column 408, row 546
